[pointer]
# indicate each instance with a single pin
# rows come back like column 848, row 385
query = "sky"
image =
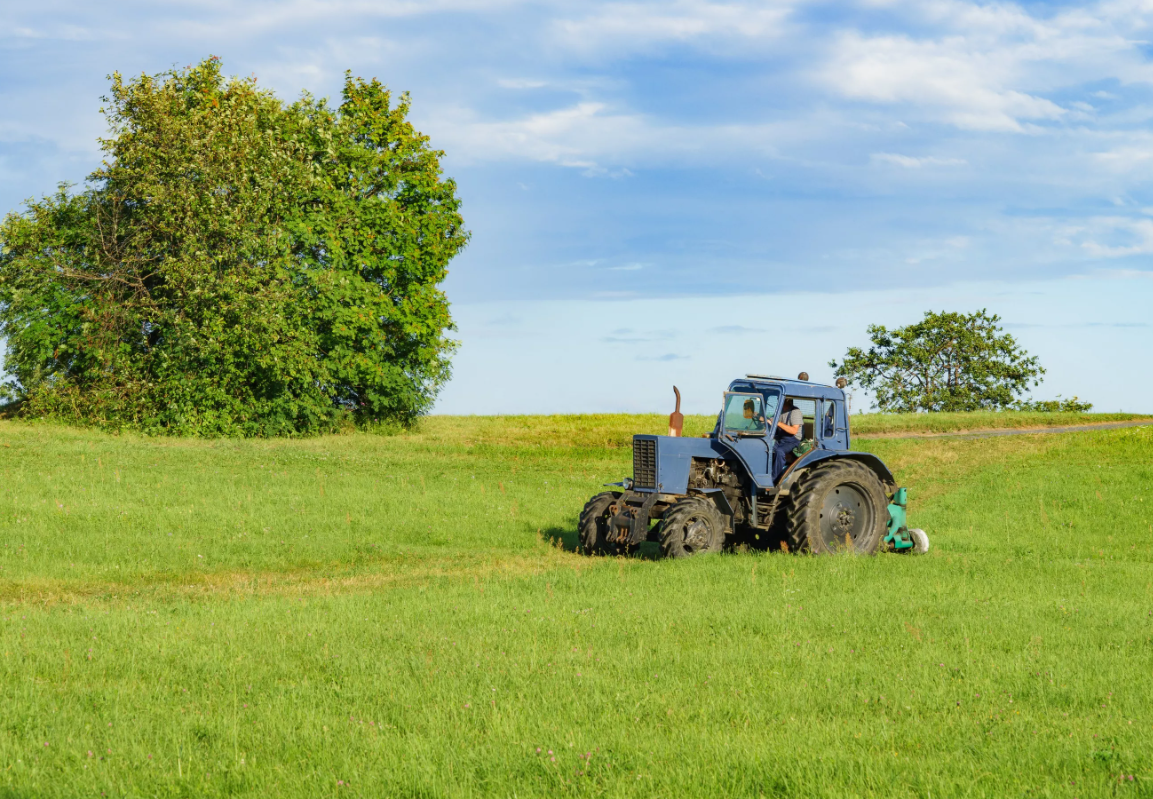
column 681, row 192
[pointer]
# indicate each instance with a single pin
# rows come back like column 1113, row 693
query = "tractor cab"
column 825, row 416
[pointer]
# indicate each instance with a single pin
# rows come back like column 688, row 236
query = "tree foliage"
column 945, row 362
column 236, row 266
column 1058, row 405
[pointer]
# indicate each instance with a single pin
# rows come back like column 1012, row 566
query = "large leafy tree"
column 945, row 362
column 236, row 266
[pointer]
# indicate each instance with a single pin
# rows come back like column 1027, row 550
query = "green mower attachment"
column 899, row 537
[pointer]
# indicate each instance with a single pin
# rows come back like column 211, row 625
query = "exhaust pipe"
column 676, row 420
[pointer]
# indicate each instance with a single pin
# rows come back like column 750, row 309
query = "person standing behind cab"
column 787, row 435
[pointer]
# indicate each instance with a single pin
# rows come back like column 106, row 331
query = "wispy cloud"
column 734, row 144
column 666, row 357
column 1076, row 325
column 1114, row 237
column 600, row 140
column 943, row 79
column 626, row 335
column 916, row 162
column 735, row 330
column 624, row 28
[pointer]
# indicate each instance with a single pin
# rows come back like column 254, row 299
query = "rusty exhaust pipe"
column 676, row 420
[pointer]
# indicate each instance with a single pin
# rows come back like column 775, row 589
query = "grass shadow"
column 568, row 540
column 562, row 538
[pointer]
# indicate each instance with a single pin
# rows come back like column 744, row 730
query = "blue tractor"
column 718, row 490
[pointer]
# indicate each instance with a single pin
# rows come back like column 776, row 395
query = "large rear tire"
column 837, row 507
column 693, row 526
column 592, row 529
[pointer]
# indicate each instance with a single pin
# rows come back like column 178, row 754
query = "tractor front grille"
column 644, row 463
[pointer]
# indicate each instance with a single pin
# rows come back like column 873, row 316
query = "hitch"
column 630, row 524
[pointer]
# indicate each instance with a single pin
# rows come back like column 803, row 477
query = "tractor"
column 718, row 490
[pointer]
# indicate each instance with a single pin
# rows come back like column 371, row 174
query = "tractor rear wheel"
column 592, row 529
column 693, row 526
column 837, row 507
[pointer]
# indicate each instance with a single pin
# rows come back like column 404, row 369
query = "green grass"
column 874, row 424
column 610, row 431
column 378, row 616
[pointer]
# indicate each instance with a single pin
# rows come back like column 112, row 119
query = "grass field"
column 402, row 616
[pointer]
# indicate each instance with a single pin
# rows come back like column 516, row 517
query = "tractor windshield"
column 744, row 414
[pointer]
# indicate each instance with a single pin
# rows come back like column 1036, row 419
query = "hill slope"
column 398, row 615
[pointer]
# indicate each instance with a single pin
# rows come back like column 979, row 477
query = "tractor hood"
column 661, row 463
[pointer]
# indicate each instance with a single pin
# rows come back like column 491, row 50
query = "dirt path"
column 1013, row 431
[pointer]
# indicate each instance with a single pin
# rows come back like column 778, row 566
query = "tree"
column 945, row 362
column 236, row 266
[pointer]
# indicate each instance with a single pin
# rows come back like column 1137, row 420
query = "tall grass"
column 375, row 616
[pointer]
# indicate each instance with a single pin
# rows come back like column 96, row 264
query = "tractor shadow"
column 561, row 538
column 567, row 540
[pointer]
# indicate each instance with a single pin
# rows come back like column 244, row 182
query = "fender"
column 816, row 456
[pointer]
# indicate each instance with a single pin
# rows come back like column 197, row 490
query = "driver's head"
column 750, row 408
column 788, row 406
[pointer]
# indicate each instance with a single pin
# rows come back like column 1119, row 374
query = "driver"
column 788, row 436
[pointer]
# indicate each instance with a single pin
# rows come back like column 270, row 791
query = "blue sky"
column 679, row 192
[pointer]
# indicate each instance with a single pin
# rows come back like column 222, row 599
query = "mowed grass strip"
column 434, row 644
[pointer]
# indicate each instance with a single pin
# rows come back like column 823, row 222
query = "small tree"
column 945, row 362
column 236, row 266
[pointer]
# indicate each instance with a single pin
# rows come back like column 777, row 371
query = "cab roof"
column 792, row 388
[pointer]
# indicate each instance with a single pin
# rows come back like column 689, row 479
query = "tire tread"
column 802, row 513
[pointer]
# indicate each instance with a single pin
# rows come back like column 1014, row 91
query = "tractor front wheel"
column 592, row 529
column 693, row 526
column 838, row 507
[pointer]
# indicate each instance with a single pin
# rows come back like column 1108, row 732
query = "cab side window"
column 808, row 409
column 829, row 429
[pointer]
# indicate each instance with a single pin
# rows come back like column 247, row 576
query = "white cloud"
column 520, row 83
column 946, row 78
column 571, row 136
column 636, row 26
column 1136, row 154
column 915, row 162
column 248, row 18
column 593, row 137
column 1122, row 237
